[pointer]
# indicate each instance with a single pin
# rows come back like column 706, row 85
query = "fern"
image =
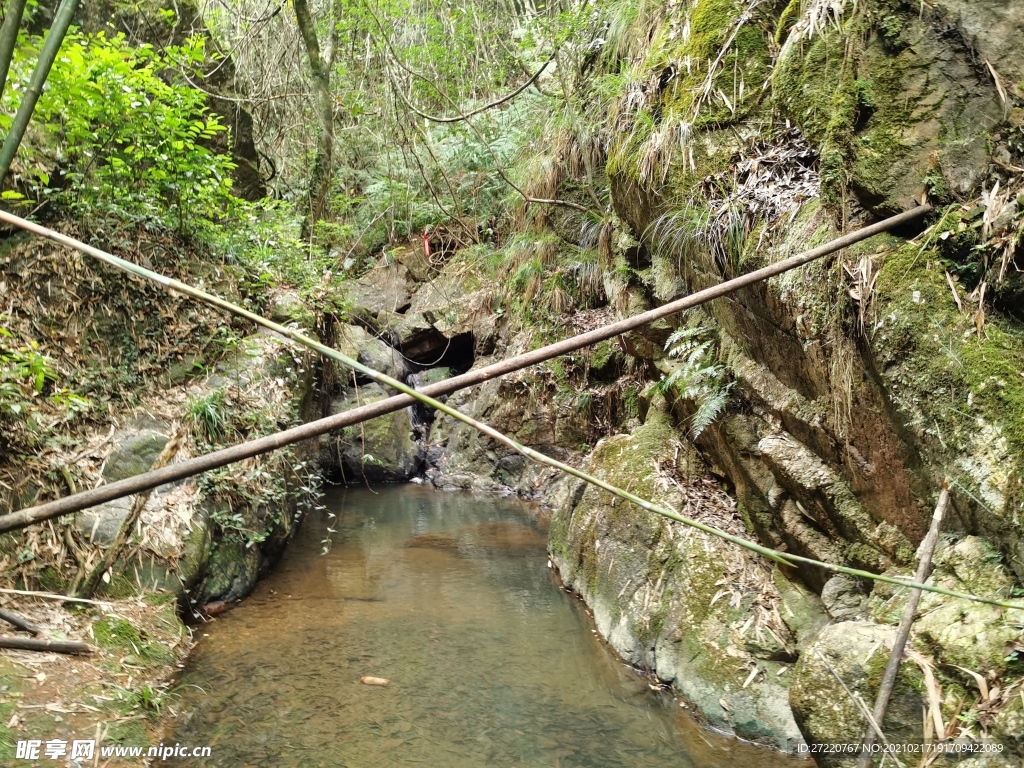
column 699, row 377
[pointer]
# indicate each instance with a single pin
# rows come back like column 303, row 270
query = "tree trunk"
column 54, row 38
column 323, row 162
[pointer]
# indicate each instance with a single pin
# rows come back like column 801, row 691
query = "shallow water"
column 449, row 597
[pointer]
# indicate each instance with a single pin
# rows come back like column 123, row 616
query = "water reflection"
column 449, row 597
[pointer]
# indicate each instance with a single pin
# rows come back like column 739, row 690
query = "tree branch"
column 460, row 117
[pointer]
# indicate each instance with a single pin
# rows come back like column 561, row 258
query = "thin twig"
column 465, row 116
column 924, row 568
column 51, row 596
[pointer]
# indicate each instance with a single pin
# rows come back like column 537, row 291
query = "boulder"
column 288, row 308
column 670, row 599
column 852, row 652
column 380, row 357
column 354, row 341
column 382, row 449
column 100, row 524
column 385, row 288
column 134, row 453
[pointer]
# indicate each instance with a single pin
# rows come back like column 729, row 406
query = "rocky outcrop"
column 849, row 656
column 384, row 449
column 694, row 610
column 210, row 538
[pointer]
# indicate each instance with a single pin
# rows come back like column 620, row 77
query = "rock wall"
column 854, row 384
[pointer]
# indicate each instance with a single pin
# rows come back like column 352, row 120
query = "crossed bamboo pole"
column 148, row 480
column 172, row 473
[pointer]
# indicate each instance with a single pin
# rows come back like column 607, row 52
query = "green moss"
column 52, row 580
column 787, row 19
column 962, row 392
column 118, row 634
column 130, row 733
column 909, row 677
column 684, row 101
column 847, row 90
column 118, row 588
column 10, row 682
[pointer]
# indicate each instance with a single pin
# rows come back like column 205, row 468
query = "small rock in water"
column 368, row 680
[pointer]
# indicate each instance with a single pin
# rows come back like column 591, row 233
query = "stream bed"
column 449, row 597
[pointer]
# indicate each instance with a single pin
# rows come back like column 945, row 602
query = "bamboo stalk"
column 9, row 38
column 53, row 646
column 215, row 459
column 20, row 622
column 924, row 568
column 25, row 517
column 54, row 38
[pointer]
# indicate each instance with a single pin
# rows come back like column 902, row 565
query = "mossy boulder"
column 894, row 102
column 670, row 599
column 288, row 308
column 381, row 449
column 852, row 654
column 134, row 453
column 970, row 635
column 229, row 573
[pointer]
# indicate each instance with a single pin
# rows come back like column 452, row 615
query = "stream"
column 449, row 597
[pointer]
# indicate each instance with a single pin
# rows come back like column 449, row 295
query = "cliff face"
column 747, row 133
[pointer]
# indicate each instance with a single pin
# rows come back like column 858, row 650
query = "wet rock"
column 229, row 574
column 382, row 449
column 666, row 599
column 430, row 376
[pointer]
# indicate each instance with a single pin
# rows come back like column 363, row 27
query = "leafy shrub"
column 119, row 138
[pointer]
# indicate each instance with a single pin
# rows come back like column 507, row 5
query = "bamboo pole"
column 20, row 622
column 9, row 38
column 924, row 568
column 25, row 517
column 53, row 646
column 54, row 39
column 149, row 480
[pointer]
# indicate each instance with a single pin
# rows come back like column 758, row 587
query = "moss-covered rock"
column 381, row 449
column 134, row 453
column 669, row 599
column 852, row 654
column 893, row 101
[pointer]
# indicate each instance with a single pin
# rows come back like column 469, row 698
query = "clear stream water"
column 449, row 596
